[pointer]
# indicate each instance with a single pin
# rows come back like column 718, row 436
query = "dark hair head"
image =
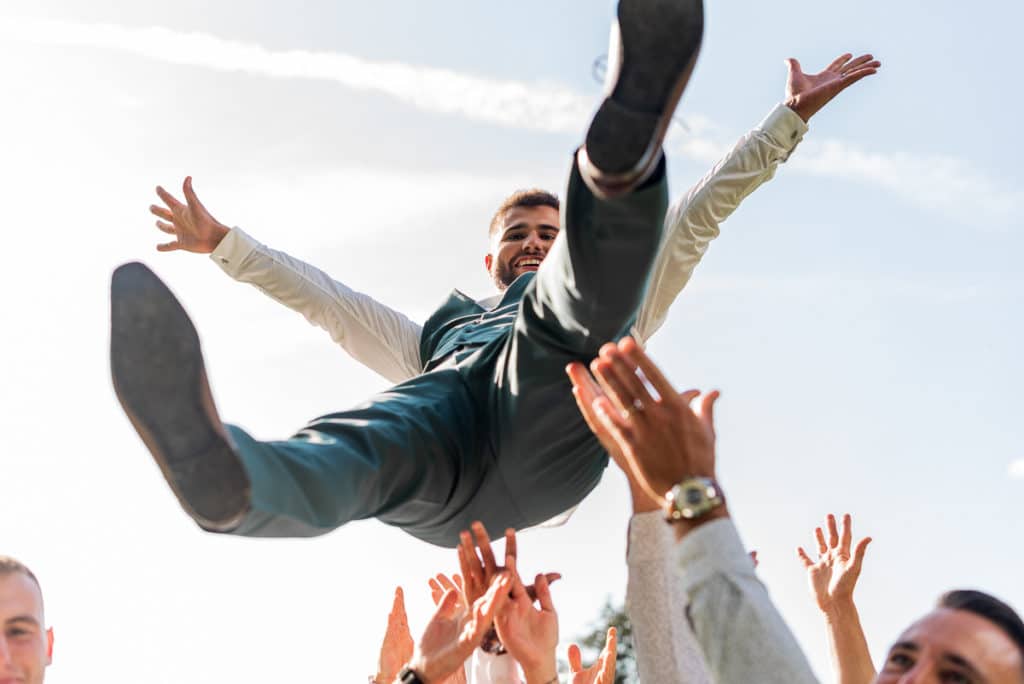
column 989, row 607
column 11, row 566
column 523, row 198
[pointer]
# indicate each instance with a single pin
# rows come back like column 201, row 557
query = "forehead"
column 971, row 636
column 531, row 216
column 19, row 596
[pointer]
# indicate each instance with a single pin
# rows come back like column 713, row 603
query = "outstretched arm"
column 666, row 648
column 664, row 441
column 832, row 580
column 377, row 336
column 693, row 222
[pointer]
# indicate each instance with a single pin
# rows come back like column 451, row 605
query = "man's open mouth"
column 529, row 263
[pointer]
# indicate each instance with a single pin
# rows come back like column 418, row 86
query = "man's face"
column 25, row 644
column 521, row 242
column 952, row 647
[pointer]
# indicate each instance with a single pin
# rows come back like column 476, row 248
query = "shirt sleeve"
column 666, row 649
column 693, row 222
column 487, row 668
column 742, row 634
column 377, row 336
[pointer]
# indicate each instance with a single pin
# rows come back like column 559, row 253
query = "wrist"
column 546, row 674
column 683, row 527
column 796, row 104
column 839, row 609
column 642, row 501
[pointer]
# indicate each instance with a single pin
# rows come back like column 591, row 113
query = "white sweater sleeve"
column 693, row 222
column 742, row 634
column 666, row 649
column 377, row 336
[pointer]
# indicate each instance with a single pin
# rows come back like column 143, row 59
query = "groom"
column 488, row 431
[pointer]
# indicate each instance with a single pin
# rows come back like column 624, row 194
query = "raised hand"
column 479, row 571
column 440, row 585
column 193, row 227
column 808, row 93
column 397, row 648
column 585, row 391
column 602, row 671
column 529, row 633
column 662, row 439
column 453, row 632
column 833, row 577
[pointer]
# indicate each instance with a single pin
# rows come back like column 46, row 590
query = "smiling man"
column 479, row 426
column 26, row 645
column 485, row 431
column 970, row 638
column 522, row 231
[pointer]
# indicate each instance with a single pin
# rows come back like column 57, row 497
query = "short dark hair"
column 534, row 197
column 12, row 566
column 989, row 607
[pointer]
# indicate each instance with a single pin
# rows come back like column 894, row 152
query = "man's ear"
column 49, row 645
column 488, row 260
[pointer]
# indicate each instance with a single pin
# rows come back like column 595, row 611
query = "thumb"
column 793, row 65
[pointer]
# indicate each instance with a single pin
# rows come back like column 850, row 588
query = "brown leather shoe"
column 157, row 367
column 654, row 46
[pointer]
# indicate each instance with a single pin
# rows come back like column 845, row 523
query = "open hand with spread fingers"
column 603, row 670
column 193, row 227
column 479, row 570
column 530, row 632
column 806, row 94
column 833, row 577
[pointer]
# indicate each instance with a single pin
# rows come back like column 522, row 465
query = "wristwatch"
column 692, row 498
column 407, row 676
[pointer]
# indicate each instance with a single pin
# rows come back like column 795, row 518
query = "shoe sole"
column 660, row 41
column 157, row 367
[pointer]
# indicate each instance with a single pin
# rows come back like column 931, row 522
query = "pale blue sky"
column 861, row 312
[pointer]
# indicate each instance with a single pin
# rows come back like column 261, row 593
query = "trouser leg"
column 406, row 457
column 590, row 285
column 586, row 293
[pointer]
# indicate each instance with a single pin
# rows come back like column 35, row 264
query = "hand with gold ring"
column 657, row 439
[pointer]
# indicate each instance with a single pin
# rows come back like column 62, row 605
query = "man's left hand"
column 808, row 93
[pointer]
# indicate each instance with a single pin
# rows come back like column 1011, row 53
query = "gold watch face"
column 693, row 498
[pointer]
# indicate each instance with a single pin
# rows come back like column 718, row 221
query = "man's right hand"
column 192, row 226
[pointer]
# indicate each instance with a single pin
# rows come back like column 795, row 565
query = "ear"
column 49, row 645
column 488, row 260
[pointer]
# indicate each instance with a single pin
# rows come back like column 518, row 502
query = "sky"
column 860, row 312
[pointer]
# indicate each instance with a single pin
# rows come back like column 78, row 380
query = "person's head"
column 522, row 231
column 970, row 638
column 26, row 645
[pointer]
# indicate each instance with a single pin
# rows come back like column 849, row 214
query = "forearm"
column 693, row 222
column 377, row 336
column 741, row 633
column 848, row 646
column 666, row 649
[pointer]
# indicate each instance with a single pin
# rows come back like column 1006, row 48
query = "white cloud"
column 1016, row 469
column 946, row 185
column 541, row 107
column 939, row 183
